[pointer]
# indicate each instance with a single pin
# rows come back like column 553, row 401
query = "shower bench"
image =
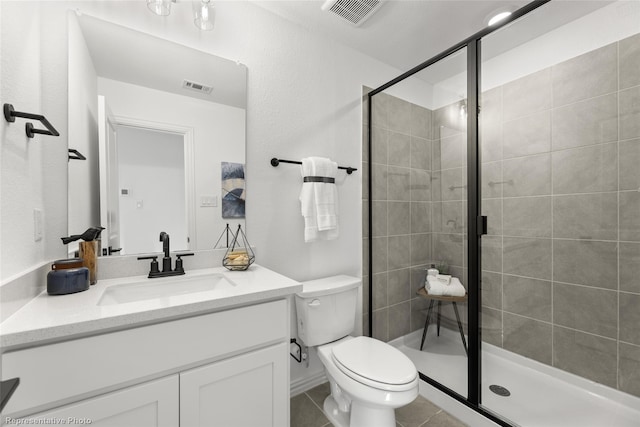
column 440, row 298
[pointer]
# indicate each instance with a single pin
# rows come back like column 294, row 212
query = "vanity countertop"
column 47, row 319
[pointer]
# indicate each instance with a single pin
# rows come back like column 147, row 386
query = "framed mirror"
column 160, row 125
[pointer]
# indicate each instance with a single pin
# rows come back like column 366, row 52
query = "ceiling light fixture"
column 203, row 12
column 498, row 17
column 204, row 15
column 160, row 7
column 463, row 108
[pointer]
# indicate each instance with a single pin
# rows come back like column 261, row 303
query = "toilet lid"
column 374, row 362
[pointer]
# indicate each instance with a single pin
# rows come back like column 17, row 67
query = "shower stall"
column 512, row 162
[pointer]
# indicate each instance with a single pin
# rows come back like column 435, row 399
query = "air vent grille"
column 198, row 87
column 353, row 11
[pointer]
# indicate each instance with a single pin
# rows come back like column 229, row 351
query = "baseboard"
column 307, row 383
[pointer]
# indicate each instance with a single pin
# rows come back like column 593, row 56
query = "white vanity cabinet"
column 152, row 404
column 243, row 391
column 227, row 368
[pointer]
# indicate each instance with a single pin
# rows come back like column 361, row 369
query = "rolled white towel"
column 434, row 286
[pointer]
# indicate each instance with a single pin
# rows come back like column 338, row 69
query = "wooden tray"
column 423, row 293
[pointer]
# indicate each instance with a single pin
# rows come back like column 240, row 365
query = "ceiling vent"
column 355, row 12
column 198, row 87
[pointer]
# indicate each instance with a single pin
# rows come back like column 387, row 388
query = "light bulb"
column 498, row 17
column 463, row 109
column 204, row 15
column 159, row 7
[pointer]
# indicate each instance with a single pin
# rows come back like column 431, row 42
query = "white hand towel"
column 319, row 200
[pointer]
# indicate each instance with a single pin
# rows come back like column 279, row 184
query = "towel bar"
column 275, row 162
column 10, row 115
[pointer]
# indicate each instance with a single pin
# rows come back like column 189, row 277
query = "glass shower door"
column 418, row 218
column 558, row 137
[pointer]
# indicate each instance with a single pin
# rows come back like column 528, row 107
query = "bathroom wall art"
column 233, row 191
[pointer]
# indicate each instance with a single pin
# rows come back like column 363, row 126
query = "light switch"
column 139, row 204
column 37, row 225
column 208, row 201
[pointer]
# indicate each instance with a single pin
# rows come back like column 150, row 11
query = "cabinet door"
column 250, row 390
column 152, row 404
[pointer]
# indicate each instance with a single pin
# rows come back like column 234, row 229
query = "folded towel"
column 456, row 288
column 444, row 278
column 436, row 287
column 319, row 200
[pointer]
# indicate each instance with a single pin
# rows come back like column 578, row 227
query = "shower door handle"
column 481, row 225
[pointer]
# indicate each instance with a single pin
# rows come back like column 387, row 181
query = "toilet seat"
column 375, row 364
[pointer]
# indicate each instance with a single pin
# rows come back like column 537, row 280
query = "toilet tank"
column 326, row 309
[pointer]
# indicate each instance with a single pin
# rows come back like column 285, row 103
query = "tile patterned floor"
column 306, row 411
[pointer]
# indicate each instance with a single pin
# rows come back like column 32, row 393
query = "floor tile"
column 443, row 419
column 304, row 413
column 416, row 413
column 319, row 393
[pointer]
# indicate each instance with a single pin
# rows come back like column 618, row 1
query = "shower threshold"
column 539, row 395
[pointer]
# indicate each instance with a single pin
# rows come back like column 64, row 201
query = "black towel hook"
column 10, row 115
column 75, row 155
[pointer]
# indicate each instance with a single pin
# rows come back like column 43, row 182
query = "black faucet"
column 166, row 260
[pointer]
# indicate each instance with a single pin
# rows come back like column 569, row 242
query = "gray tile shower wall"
column 560, row 150
column 402, row 193
column 562, row 260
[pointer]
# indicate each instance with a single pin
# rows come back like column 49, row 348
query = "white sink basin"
column 163, row 287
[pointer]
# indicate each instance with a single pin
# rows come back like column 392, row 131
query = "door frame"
column 189, row 164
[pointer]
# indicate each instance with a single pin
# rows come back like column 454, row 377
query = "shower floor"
column 541, row 396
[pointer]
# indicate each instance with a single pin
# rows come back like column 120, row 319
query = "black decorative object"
column 90, row 234
column 239, row 255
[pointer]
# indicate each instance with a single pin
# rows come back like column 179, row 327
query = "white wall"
column 609, row 24
column 218, row 136
column 597, row 29
column 33, row 171
column 151, row 168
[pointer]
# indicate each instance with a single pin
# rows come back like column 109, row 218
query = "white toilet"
column 369, row 378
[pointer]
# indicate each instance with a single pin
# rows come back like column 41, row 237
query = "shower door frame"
column 476, row 222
